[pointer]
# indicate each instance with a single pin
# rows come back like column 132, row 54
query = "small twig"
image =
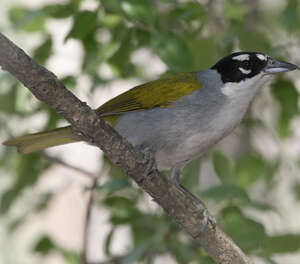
column 88, row 218
column 88, row 215
column 55, row 160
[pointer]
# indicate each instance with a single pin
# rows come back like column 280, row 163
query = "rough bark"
column 138, row 166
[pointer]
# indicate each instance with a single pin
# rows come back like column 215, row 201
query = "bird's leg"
column 174, row 177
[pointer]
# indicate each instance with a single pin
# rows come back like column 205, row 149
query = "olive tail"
column 38, row 141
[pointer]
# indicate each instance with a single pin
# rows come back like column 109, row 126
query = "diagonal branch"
column 54, row 160
column 181, row 208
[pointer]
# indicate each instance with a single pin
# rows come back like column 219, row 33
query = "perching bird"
column 181, row 117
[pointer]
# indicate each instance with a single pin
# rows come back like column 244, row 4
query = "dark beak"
column 274, row 66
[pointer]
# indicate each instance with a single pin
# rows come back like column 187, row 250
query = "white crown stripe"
column 241, row 57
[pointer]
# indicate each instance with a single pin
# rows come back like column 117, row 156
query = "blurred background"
column 100, row 48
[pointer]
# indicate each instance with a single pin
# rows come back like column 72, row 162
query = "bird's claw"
column 148, row 159
column 207, row 219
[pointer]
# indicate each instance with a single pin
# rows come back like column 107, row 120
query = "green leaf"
column 184, row 253
column 69, row 81
column 202, row 60
column 225, row 192
column 172, row 50
column 135, row 254
column 43, row 201
column 44, row 245
column 52, row 117
column 119, row 202
column 249, row 168
column 253, row 40
column 113, row 6
column 111, row 20
column 143, row 37
column 207, row 260
column 281, row 244
column 289, row 17
column 190, row 175
column 114, row 171
column 42, row 53
column 8, row 99
column 114, row 185
column 16, row 223
column 121, row 58
column 233, row 194
column 188, row 12
column 108, row 242
column 141, row 10
column 223, row 167
column 83, row 23
column 247, row 233
column 296, row 190
column 169, row 1
column 28, row 168
column 261, row 206
column 26, row 19
column 60, row 10
column 150, row 259
column 92, row 55
column 235, row 11
column 70, row 257
column 287, row 96
column 143, row 230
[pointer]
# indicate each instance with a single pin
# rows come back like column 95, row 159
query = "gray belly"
column 179, row 134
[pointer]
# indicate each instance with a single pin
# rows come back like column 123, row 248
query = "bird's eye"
column 245, row 64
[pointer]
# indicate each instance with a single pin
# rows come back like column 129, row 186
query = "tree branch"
column 182, row 209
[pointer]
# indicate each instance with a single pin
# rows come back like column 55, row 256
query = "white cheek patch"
column 241, row 57
column 245, row 71
column 261, row 57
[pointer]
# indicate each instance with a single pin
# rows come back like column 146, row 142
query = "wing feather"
column 159, row 93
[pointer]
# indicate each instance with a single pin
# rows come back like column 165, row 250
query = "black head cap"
column 240, row 66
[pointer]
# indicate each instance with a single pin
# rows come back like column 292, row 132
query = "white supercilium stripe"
column 241, row 57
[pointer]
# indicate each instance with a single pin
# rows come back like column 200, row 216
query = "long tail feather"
column 38, row 141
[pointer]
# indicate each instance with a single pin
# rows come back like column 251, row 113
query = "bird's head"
column 240, row 66
column 242, row 70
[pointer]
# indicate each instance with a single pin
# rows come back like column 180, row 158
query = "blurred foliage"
column 185, row 36
column 288, row 100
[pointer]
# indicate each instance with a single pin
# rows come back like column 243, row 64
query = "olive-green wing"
column 159, row 93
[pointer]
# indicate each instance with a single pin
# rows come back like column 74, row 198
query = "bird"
column 177, row 118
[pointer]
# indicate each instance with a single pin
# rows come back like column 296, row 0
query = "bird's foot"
column 148, row 159
column 207, row 217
